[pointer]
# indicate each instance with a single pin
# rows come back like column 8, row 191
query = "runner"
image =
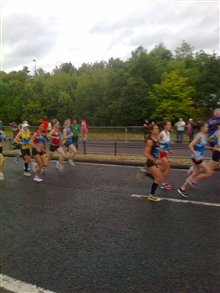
column 197, row 147
column 152, row 151
column 76, row 129
column 23, row 138
column 215, row 138
column 38, row 151
column 84, row 129
column 55, row 146
column 164, row 137
column 67, row 137
column 2, row 159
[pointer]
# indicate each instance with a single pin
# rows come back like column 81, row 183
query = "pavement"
column 82, row 231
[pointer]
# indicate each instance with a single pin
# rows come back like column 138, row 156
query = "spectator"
column 190, row 130
column 146, row 125
column 84, row 128
column 45, row 123
column 76, row 129
column 49, row 127
column 212, row 124
column 152, row 123
column 180, row 128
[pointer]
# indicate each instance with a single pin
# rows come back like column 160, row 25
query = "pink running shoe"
column 166, row 186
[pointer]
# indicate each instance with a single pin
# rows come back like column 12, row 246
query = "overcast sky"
column 88, row 31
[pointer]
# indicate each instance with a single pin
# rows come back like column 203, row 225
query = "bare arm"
column 17, row 139
column 51, row 134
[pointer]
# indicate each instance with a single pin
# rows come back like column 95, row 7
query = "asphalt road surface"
column 82, row 231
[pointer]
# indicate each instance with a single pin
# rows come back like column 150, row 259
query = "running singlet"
column 155, row 151
column 199, row 147
column 69, row 139
column 25, row 138
column 39, row 138
column 56, row 141
column 0, row 137
column 164, row 142
column 215, row 140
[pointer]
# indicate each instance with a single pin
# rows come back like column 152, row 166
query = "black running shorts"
column 25, row 152
column 197, row 163
column 215, row 155
column 34, row 152
column 150, row 163
column 53, row 148
column 0, row 150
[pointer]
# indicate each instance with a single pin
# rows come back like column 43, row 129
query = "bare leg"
column 39, row 163
column 2, row 161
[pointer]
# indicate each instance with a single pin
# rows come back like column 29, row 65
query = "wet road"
column 81, row 231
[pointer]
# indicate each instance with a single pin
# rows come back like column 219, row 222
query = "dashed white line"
column 182, row 200
column 17, row 286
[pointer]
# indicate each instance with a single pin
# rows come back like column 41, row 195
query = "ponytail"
column 199, row 125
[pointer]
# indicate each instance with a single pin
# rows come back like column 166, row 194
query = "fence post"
column 126, row 134
column 84, row 147
column 115, row 148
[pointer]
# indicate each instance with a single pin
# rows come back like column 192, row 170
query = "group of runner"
column 63, row 144
column 158, row 146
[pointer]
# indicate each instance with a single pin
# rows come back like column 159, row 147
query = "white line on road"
column 16, row 286
column 182, row 201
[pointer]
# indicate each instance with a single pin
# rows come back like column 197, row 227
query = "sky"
column 54, row 32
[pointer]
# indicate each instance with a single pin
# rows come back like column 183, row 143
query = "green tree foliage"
column 155, row 84
column 173, row 97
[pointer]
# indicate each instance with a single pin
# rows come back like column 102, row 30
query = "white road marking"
column 182, row 201
column 16, row 286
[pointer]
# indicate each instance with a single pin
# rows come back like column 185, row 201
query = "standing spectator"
column 212, row 124
column 180, row 128
column 190, row 130
column 45, row 123
column 84, row 128
column 146, row 125
column 49, row 127
column 76, row 129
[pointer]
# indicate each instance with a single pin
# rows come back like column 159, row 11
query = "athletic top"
column 39, row 138
column 0, row 137
column 165, row 141
column 215, row 141
column 155, row 151
column 69, row 139
column 25, row 138
column 199, row 147
column 57, row 134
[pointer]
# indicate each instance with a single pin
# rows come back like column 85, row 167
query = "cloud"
column 26, row 36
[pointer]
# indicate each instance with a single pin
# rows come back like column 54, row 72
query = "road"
column 82, row 231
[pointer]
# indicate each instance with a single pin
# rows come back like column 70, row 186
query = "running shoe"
column 2, row 176
column 166, row 186
column 154, row 198
column 16, row 159
column 34, row 166
column 182, row 192
column 71, row 163
column 27, row 174
column 37, row 179
column 191, row 183
column 44, row 170
column 28, row 169
column 190, row 171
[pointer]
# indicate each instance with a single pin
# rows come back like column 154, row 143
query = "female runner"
column 197, row 147
column 38, row 151
column 23, row 138
column 164, row 137
column 67, row 137
column 2, row 159
column 216, row 151
column 55, row 145
column 152, row 151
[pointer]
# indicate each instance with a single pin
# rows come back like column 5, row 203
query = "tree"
column 183, row 51
column 173, row 98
